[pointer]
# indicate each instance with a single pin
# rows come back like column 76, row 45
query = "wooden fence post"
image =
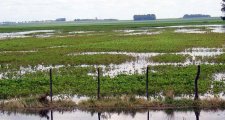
column 196, row 83
column 98, row 83
column 147, row 95
column 50, row 84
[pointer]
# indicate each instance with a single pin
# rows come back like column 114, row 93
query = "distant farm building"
column 192, row 16
column 144, row 17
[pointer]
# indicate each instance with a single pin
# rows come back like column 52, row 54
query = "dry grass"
column 33, row 103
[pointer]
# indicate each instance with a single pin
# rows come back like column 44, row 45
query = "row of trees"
column 145, row 17
column 196, row 16
column 223, row 9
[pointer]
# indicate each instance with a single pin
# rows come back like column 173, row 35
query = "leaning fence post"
column 147, row 82
column 50, row 84
column 98, row 83
column 196, row 83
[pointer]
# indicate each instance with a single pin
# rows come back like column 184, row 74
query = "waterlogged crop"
column 74, row 80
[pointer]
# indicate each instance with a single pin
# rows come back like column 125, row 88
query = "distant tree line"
column 95, row 20
column 60, row 19
column 223, row 9
column 144, row 17
column 186, row 16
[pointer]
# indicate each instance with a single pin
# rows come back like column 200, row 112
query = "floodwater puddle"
column 30, row 69
column 24, row 34
column 121, row 115
column 217, row 29
column 81, row 32
column 74, row 98
column 197, row 28
column 30, row 51
column 62, row 46
column 137, row 32
column 143, row 60
column 219, row 77
column 184, row 30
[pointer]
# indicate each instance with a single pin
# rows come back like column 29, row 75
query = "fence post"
column 196, row 83
column 147, row 82
column 50, row 84
column 98, row 83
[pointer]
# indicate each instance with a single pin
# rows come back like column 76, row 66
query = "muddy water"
column 143, row 115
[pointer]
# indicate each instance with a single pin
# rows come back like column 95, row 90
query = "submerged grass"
column 216, row 59
column 169, row 58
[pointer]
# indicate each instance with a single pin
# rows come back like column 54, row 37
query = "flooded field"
column 122, row 53
column 143, row 115
column 198, row 29
column 136, row 66
column 143, row 60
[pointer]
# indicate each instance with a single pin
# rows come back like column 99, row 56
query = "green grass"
column 216, row 59
column 56, row 58
column 169, row 58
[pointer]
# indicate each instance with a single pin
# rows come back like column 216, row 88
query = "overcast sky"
column 25, row 10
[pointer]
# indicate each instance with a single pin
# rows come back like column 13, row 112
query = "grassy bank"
column 32, row 103
column 134, row 103
column 111, row 104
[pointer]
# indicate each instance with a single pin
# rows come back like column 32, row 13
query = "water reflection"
column 44, row 114
column 121, row 115
column 197, row 113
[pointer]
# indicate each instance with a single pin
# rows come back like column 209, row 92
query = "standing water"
column 130, row 115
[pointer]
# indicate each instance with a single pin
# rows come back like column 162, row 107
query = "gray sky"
column 25, row 10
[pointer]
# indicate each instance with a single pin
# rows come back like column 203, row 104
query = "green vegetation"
column 169, row 58
column 216, row 59
column 73, row 80
column 56, row 58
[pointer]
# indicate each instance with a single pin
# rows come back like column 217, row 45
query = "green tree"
column 223, row 9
